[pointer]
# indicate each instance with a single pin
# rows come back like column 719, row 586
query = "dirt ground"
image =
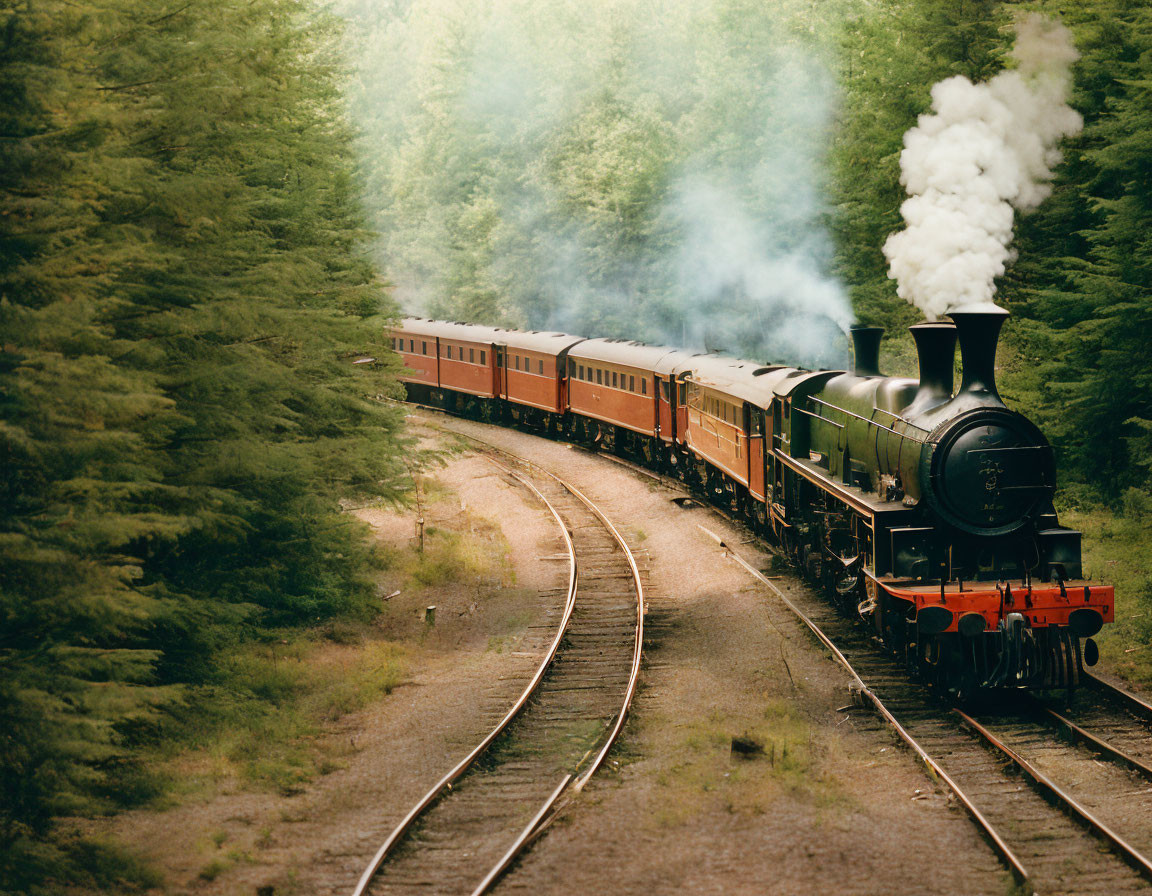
column 463, row 673
column 828, row 807
column 831, row 803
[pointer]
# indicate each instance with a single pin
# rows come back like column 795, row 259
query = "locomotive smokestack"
column 978, row 332
column 866, row 350
column 935, row 350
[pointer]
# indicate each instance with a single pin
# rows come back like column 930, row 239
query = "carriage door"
column 664, row 409
column 753, row 426
column 681, row 405
column 775, row 442
column 501, row 381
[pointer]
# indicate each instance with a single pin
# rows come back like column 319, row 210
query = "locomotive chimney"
column 935, row 350
column 978, row 332
column 866, row 350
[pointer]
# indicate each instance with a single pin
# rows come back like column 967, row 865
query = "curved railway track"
column 1051, row 842
column 1057, row 749
column 470, row 827
column 1063, row 794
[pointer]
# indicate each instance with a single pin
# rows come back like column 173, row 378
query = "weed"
column 1116, row 552
column 214, row 869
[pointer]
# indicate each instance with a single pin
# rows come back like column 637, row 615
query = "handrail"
column 870, row 422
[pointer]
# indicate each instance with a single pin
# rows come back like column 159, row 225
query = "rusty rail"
column 1054, row 791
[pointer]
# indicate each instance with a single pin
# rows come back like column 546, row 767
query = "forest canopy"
column 183, row 288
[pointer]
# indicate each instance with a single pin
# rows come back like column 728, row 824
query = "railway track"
column 1050, row 844
column 470, row 827
column 1057, row 749
column 1063, row 794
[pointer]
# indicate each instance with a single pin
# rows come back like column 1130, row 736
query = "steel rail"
column 556, row 802
column 1050, row 787
column 445, row 783
column 1102, row 746
column 530, row 833
column 1002, row 848
column 1138, row 705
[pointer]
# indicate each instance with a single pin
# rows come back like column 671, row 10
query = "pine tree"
column 182, row 292
column 76, row 428
column 1084, row 284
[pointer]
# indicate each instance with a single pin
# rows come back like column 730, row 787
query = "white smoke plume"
column 985, row 151
column 746, row 290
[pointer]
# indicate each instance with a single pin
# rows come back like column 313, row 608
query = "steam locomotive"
column 923, row 508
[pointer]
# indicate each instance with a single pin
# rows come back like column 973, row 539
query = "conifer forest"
column 212, row 210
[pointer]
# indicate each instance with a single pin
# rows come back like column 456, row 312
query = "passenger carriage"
column 612, row 393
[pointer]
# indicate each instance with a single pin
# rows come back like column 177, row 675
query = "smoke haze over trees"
column 723, row 174
column 645, row 170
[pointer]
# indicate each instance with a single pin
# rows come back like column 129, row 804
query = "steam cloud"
column 711, row 234
column 985, row 150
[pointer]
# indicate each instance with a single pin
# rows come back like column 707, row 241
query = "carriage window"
column 599, row 377
column 664, row 389
column 631, row 384
column 411, row 345
column 471, row 356
column 541, row 368
column 614, row 384
column 581, row 371
column 483, row 356
column 423, row 348
column 682, row 393
column 517, row 362
column 643, row 386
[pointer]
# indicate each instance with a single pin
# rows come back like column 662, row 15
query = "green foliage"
column 182, row 291
column 1084, row 281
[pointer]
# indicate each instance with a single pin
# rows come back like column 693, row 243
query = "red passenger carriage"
column 532, row 368
column 613, row 381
